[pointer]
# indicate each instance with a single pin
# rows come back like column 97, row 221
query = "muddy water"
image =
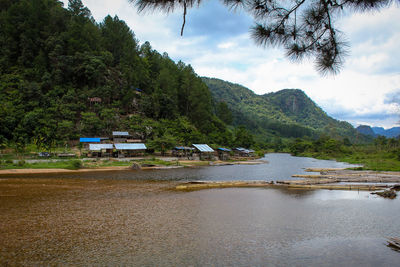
column 105, row 222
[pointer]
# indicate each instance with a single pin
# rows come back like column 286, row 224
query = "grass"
column 194, row 163
column 375, row 162
column 370, row 159
column 74, row 164
column 65, row 164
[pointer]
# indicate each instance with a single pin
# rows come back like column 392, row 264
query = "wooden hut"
column 182, row 151
column 243, row 152
column 223, row 153
column 89, row 140
column 120, row 137
column 130, row 150
column 204, row 151
column 101, row 150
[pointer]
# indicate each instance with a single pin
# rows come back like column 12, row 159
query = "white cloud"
column 226, row 45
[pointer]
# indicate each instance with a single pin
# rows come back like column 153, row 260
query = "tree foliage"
column 304, row 28
column 62, row 75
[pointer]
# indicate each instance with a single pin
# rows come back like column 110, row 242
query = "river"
column 135, row 219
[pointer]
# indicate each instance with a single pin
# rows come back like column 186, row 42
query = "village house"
column 130, row 150
column 204, row 151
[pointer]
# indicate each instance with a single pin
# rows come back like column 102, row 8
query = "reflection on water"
column 123, row 222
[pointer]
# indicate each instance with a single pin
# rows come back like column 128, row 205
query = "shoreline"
column 185, row 163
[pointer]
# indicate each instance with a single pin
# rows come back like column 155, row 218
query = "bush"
column 21, row 163
column 76, row 164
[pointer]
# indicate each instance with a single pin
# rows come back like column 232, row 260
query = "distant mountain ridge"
column 376, row 131
column 390, row 133
column 366, row 130
column 287, row 113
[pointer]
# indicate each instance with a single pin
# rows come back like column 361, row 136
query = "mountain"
column 390, row 133
column 287, row 113
column 379, row 131
column 366, row 130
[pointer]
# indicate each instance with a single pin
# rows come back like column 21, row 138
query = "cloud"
column 393, row 97
column 374, row 40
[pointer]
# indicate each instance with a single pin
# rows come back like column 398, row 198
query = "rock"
column 387, row 194
column 396, row 187
column 136, row 166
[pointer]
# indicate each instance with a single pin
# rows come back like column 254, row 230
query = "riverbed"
column 120, row 219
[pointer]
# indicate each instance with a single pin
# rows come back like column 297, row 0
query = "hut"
column 182, row 151
column 223, row 153
column 85, row 141
column 204, row 151
column 130, row 150
column 120, row 137
column 243, row 152
column 89, row 140
column 101, row 150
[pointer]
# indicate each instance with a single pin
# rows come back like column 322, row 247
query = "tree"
column 78, row 9
column 304, row 28
column 163, row 143
column 243, row 138
column 91, row 124
column 224, row 113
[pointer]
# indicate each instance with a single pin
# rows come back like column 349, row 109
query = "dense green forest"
column 62, row 76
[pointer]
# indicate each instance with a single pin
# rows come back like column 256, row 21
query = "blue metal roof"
column 203, row 147
column 98, row 147
column 136, row 146
column 224, row 149
column 89, row 140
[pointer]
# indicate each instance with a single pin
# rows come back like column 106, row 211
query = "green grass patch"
column 65, row 164
column 369, row 158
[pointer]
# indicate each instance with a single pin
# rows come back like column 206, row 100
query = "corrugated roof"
column 244, row 150
column 98, row 147
column 120, row 133
column 89, row 140
column 203, row 147
column 137, row 146
column 224, row 149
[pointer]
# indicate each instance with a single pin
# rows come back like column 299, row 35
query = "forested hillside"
column 287, row 113
column 62, row 75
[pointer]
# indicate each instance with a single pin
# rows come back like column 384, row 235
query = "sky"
column 216, row 43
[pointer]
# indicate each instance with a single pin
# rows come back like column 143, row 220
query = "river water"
column 124, row 218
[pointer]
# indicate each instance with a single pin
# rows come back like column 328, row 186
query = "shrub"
column 76, row 164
